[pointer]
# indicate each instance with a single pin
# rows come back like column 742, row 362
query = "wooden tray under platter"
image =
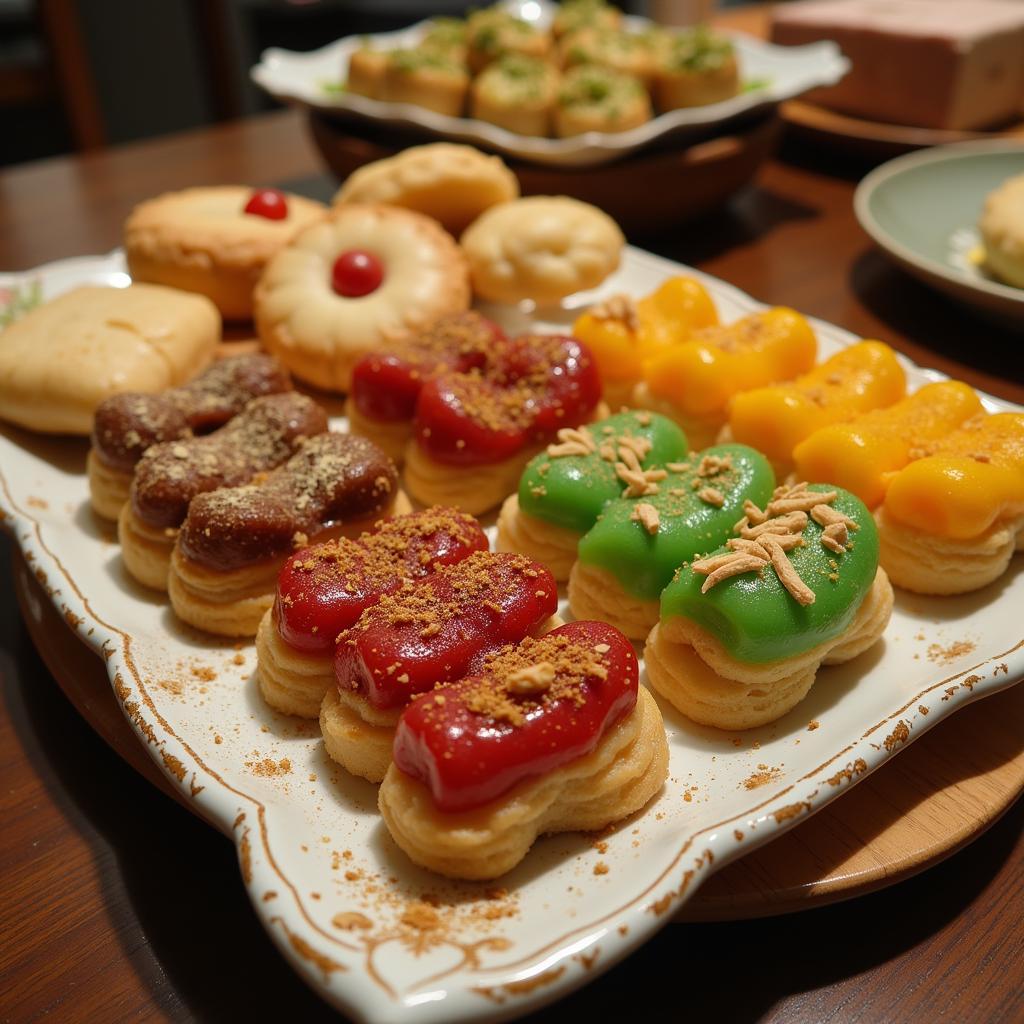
column 643, row 193
column 939, row 794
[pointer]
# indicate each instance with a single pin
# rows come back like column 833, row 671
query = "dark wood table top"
column 127, row 907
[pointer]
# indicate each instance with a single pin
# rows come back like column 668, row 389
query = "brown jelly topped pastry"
column 262, row 436
column 126, row 425
column 334, row 480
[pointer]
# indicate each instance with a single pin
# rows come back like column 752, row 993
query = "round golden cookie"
column 541, row 248
column 453, row 184
column 320, row 335
column 202, row 240
column 1002, row 230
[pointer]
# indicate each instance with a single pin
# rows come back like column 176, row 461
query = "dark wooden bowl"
column 643, row 193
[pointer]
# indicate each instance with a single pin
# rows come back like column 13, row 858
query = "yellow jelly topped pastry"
column 855, row 380
column 695, row 381
column 623, row 334
column 970, row 478
column 863, row 455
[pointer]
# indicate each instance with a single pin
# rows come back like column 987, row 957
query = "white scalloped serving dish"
column 341, row 902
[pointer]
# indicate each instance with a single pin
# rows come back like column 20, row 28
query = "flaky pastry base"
column 553, row 546
column 474, row 489
column 109, row 488
column 701, row 431
column 594, row 593
column 356, row 735
column 693, row 672
column 619, row 777
column 233, row 603
column 927, row 564
column 292, row 682
column 390, row 437
column 145, row 550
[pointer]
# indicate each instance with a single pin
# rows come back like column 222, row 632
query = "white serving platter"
column 771, row 75
column 385, row 941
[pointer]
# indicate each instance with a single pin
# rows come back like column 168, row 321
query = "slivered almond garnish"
column 712, row 465
column 753, row 513
column 602, row 648
column 794, row 522
column 835, row 537
column 643, row 418
column 677, row 467
column 640, row 445
column 728, row 565
column 533, row 679
column 639, row 483
column 607, row 451
column 617, row 307
column 647, row 516
column 777, row 530
column 572, row 442
column 711, row 495
column 788, row 576
column 748, row 547
column 629, row 457
column 825, row 515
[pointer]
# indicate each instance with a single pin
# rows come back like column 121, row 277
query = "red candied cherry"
column 268, row 202
column 356, row 273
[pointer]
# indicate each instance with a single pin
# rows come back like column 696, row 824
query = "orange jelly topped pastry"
column 623, row 334
column 953, row 518
column 863, row 455
column 777, row 418
column 694, row 382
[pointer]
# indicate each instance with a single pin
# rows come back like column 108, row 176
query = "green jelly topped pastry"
column 789, row 578
column 570, row 482
column 670, row 515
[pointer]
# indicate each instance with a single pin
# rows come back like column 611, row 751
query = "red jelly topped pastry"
column 429, row 631
column 530, row 708
column 125, row 425
column 386, row 385
column 547, row 735
column 475, row 432
column 323, row 590
column 234, row 541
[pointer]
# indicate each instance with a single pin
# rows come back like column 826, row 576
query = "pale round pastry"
column 541, row 248
column 1002, row 231
column 516, row 93
column 693, row 671
column 320, row 335
column 618, row 777
column 453, row 184
column 927, row 564
column 202, row 240
column 59, row 361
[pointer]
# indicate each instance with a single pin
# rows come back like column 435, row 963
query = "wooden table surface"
column 133, row 909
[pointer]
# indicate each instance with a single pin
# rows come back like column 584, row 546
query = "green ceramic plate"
column 923, row 210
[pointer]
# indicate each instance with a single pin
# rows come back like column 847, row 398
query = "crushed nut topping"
column 617, row 307
column 532, row 679
column 711, row 495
